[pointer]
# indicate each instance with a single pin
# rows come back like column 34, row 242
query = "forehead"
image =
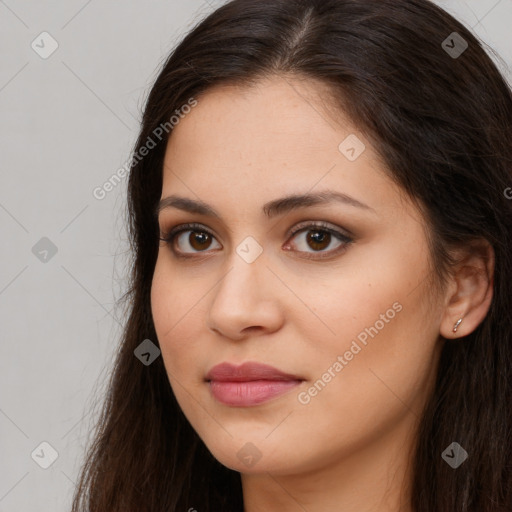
column 274, row 113
column 252, row 144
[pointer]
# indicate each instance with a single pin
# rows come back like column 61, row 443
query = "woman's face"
column 344, row 309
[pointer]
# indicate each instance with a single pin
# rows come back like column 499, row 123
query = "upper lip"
column 228, row 372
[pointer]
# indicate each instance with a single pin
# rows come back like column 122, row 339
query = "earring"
column 457, row 325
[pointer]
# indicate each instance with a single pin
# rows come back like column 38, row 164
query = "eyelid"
column 192, row 226
column 327, row 226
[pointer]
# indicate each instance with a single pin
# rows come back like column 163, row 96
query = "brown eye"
column 318, row 238
column 189, row 239
column 198, row 239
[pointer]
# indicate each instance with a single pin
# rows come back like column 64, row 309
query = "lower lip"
column 249, row 393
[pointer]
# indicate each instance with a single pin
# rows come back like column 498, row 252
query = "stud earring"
column 457, row 325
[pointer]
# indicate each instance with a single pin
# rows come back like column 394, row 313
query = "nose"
column 245, row 301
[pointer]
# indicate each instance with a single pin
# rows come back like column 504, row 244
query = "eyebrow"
column 271, row 209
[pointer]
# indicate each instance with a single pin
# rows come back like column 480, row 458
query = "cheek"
column 163, row 302
column 356, row 306
column 376, row 319
column 177, row 315
column 172, row 297
column 377, row 384
column 173, row 317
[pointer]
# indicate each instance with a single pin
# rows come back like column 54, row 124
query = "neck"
column 375, row 478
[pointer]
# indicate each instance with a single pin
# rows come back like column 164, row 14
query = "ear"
column 470, row 290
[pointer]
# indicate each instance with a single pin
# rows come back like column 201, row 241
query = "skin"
column 349, row 448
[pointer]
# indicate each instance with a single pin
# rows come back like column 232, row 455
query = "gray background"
column 67, row 124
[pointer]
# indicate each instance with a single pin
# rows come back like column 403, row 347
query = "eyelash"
column 168, row 238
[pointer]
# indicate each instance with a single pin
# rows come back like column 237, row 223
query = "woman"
column 321, row 290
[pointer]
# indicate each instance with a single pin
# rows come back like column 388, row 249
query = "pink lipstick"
column 249, row 384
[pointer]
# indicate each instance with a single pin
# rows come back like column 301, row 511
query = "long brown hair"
column 442, row 124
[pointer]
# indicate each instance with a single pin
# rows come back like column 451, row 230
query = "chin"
column 252, row 457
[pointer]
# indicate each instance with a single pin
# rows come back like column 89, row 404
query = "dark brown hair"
column 443, row 126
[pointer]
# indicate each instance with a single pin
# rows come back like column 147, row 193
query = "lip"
column 249, row 384
column 250, row 371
